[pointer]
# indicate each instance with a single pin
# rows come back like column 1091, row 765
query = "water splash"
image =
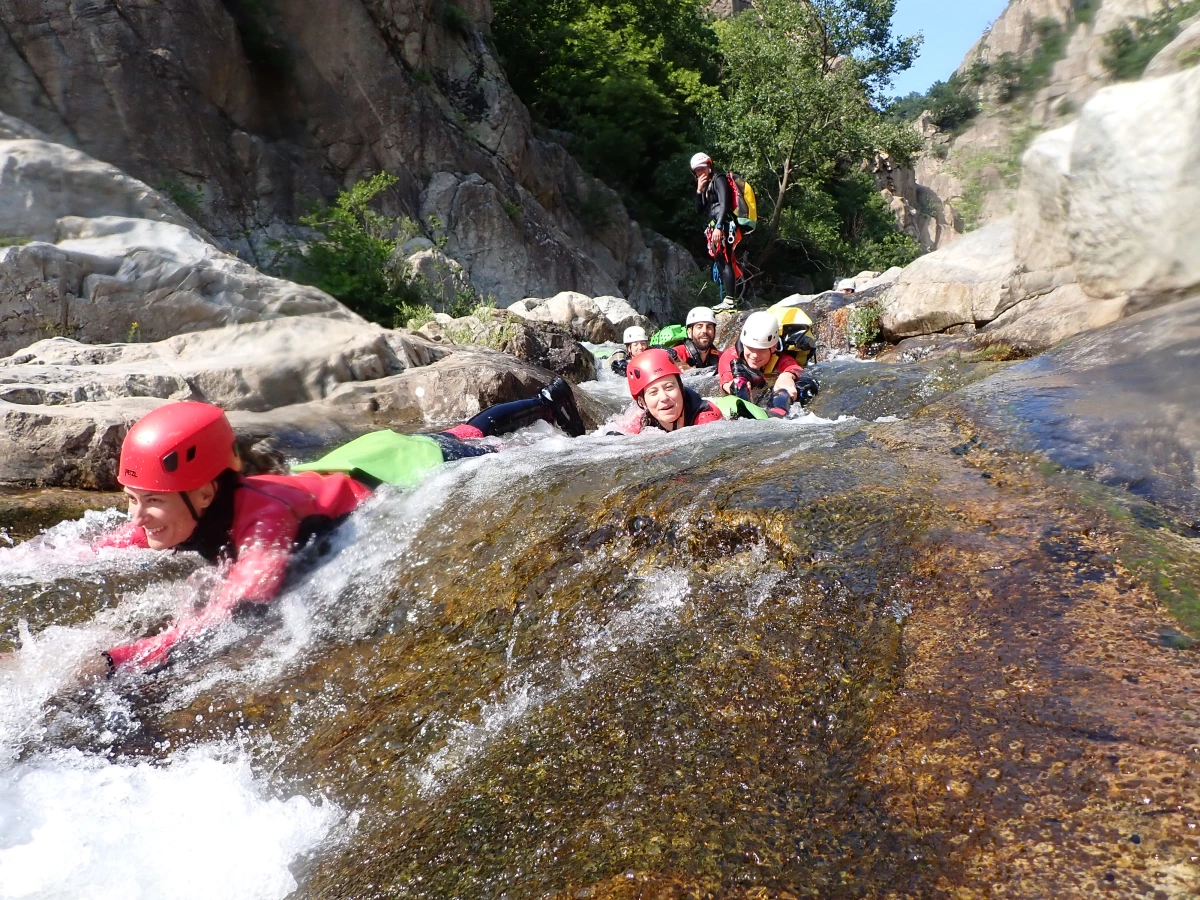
column 200, row 826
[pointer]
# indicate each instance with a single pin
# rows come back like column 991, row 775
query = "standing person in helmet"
column 636, row 342
column 715, row 200
column 757, row 365
column 656, row 385
column 182, row 478
column 698, row 351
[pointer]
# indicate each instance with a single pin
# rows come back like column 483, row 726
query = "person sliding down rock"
column 182, row 478
column 698, row 351
column 756, row 366
column 656, row 385
column 635, row 342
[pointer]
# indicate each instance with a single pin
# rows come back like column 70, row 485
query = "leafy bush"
column 1132, row 46
column 862, row 325
column 356, row 259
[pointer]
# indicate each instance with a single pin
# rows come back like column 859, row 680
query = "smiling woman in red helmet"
column 656, row 385
column 182, row 478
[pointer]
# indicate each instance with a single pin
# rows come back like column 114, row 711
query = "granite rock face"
column 248, row 109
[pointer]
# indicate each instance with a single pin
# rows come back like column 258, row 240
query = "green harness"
column 383, row 456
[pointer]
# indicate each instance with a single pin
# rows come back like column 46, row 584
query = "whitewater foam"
column 76, row 825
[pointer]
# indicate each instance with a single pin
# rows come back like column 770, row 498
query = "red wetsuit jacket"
column 691, row 357
column 696, row 411
column 255, row 522
column 780, row 362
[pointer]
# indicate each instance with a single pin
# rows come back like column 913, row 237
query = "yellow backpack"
column 747, row 205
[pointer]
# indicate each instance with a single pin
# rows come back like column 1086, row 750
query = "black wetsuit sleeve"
column 724, row 199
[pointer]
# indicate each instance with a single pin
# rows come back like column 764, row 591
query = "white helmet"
column 701, row 159
column 635, row 333
column 761, row 331
column 846, row 284
column 700, row 314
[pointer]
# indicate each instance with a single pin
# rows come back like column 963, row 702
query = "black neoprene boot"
column 559, row 397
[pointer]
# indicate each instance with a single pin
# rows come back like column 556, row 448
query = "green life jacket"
column 736, row 408
column 384, row 456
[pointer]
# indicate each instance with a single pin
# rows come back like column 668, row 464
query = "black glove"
column 740, row 369
column 674, row 357
column 781, row 402
column 807, row 387
column 619, row 366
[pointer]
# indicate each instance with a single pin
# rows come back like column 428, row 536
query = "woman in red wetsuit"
column 181, row 474
column 656, row 385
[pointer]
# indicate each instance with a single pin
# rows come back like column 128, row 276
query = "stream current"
column 662, row 666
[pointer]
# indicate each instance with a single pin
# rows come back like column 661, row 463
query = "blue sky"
column 950, row 27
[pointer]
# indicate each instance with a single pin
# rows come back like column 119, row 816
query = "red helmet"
column 648, row 367
column 178, row 447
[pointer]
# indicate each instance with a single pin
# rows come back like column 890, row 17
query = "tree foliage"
column 787, row 93
column 626, row 80
column 798, row 115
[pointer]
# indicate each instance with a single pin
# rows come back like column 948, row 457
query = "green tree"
column 801, row 83
column 626, row 80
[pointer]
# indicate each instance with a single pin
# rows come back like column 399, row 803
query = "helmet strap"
column 187, row 501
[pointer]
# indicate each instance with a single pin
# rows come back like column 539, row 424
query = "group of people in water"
column 183, row 482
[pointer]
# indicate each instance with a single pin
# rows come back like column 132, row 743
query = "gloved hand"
column 673, row 356
column 807, row 387
column 781, row 402
column 620, row 365
column 741, row 369
column 740, row 387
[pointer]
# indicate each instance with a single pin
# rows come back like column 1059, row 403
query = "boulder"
column 1040, row 322
column 540, row 343
column 621, row 314
column 449, row 391
column 579, row 314
column 292, row 385
column 254, row 367
column 1134, row 191
column 1040, row 243
column 41, row 182
column 110, row 279
column 441, row 278
column 967, row 283
column 1182, row 53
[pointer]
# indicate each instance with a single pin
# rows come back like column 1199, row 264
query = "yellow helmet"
column 791, row 316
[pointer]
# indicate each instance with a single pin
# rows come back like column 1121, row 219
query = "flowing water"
column 824, row 657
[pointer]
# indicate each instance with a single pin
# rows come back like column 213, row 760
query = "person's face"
column 636, row 347
column 703, row 334
column 703, row 173
column 755, row 357
column 165, row 516
column 664, row 400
